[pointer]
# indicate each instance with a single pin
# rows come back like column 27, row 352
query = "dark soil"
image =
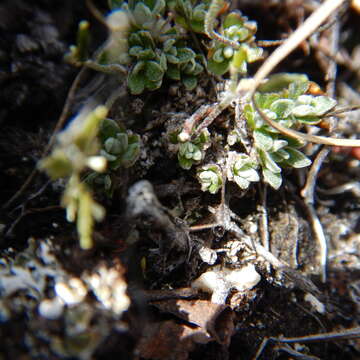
column 39, row 248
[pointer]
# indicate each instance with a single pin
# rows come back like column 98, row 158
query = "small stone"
column 243, row 279
column 208, row 255
column 51, row 309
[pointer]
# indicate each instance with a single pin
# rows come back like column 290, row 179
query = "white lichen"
column 218, row 282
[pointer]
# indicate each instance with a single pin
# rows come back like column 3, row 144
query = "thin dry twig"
column 308, row 194
column 264, row 224
column 297, row 37
column 347, row 334
column 303, row 32
column 308, row 191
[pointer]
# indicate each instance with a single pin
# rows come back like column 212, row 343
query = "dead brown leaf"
column 216, row 320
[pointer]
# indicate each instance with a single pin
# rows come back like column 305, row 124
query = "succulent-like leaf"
column 263, row 139
column 154, row 71
column 173, row 72
column 282, row 107
column 141, row 13
column 218, row 68
column 168, row 44
column 323, row 104
column 108, row 128
column 268, row 162
column 210, row 178
column 172, row 59
column 135, row 50
column 253, row 53
column 112, row 146
column 140, row 65
column 281, row 81
column 298, row 88
column 239, row 61
column 234, row 18
column 152, row 85
column 304, row 111
column 273, row 179
column 185, row 54
column 190, row 82
column 136, row 83
column 297, row 159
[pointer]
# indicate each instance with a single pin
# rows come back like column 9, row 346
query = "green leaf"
column 282, row 107
column 123, row 141
column 188, row 68
column 136, row 83
column 131, row 155
column 163, row 61
column 281, row 81
column 172, row 59
column 297, row 159
column 298, row 88
column 323, row 104
column 253, row 53
column 305, row 99
column 309, row 120
column 152, row 85
column 159, row 7
column 146, row 54
column 135, row 50
column 263, row 140
column 184, row 163
column 282, row 154
column 154, row 71
column 264, row 100
column 108, row 156
column 173, row 72
column 218, row 55
column 239, row 61
column 112, row 146
column 141, row 13
column 190, row 82
column 273, row 179
column 268, row 162
column 218, row 68
column 210, row 178
column 135, row 39
column 242, row 182
column 279, row 144
column 146, row 39
column 234, row 18
column 249, row 116
column 304, row 111
column 168, row 44
column 108, row 128
column 185, row 54
column 198, row 15
column 138, row 67
column 198, row 69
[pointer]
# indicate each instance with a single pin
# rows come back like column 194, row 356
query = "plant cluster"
column 285, row 98
column 120, row 148
column 150, row 40
column 224, row 57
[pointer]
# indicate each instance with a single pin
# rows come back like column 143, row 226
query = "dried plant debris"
column 204, row 322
